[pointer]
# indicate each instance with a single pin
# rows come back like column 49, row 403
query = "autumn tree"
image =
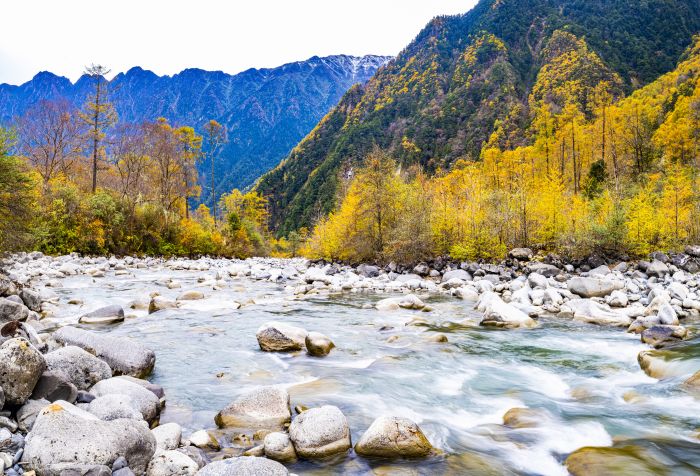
column 16, row 196
column 216, row 137
column 98, row 115
column 50, row 138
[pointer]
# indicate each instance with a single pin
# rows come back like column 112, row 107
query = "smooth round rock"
column 265, row 407
column 244, row 466
column 80, row 367
column 393, row 437
column 279, row 447
column 320, row 432
column 318, row 344
column 21, row 366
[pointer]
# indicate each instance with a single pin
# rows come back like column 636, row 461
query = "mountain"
column 476, row 79
column 265, row 111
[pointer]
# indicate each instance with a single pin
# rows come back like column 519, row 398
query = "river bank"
column 489, row 368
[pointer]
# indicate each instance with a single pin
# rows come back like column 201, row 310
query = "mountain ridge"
column 266, row 110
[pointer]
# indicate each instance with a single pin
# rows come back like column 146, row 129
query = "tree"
column 189, row 145
column 216, row 137
column 16, row 196
column 50, row 138
column 98, row 115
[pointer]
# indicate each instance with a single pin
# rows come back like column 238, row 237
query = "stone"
column 521, row 254
column 279, row 337
column 54, row 386
column 205, row 440
column 617, row 299
column 104, row 315
column 546, row 270
column 21, row 366
column 661, row 336
column 192, row 295
column 172, row 463
column 456, row 274
column 255, row 451
column 693, row 382
column 159, row 303
column 196, row 455
column 125, row 356
column 12, row 311
column 590, row 287
column 114, row 407
column 318, row 344
column 678, row 291
column 80, row 367
column 393, row 437
column 592, row 312
column 693, row 250
column 168, row 436
column 537, row 281
column 65, row 437
column 26, row 415
column 265, row 407
column 408, row 301
column 500, row 314
column 523, row 418
column 605, row 461
column 144, row 400
column 279, row 447
column 657, row 268
column 244, row 466
column 320, row 432
column 31, row 299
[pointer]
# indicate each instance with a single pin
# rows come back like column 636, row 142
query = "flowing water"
column 585, row 378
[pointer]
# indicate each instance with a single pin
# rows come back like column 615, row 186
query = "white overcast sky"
column 167, row 36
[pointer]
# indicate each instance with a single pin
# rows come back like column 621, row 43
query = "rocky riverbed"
column 214, row 366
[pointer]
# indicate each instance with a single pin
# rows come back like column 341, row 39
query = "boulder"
column 159, row 303
column 197, row 455
column 693, row 382
column 104, row 315
column 521, row 254
column 80, row 367
column 546, row 270
column 661, row 336
column 523, row 418
column 592, row 312
column 537, row 281
column 500, row 314
column 265, row 407
column 279, row 447
column 65, row 438
column 318, row 344
column 456, row 274
column 409, row 301
column 114, row 407
column 26, row 415
column 21, row 366
column 604, row 461
column 172, row 463
column 54, row 386
column 244, row 466
column 125, row 356
column 279, row 337
column 590, row 287
column 31, row 299
column 617, row 299
column 144, row 400
column 393, row 437
column 205, row 440
column 192, row 295
column 320, row 432
column 657, row 268
column 12, row 311
column 167, row 436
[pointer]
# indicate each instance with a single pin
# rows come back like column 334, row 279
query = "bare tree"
column 98, row 114
column 50, row 138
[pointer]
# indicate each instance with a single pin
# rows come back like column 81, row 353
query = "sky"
column 167, row 36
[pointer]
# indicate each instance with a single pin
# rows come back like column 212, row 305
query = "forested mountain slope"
column 478, row 80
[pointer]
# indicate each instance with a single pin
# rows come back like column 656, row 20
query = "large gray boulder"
column 244, row 466
column 54, row 386
column 393, row 437
column 65, row 438
column 657, row 268
column 590, row 287
column 456, row 274
column 79, row 366
column 114, row 407
column 172, row 463
column 521, row 254
column 265, row 407
column 168, row 436
column 21, row 366
column 124, row 356
column 26, row 415
column 12, row 311
column 280, row 337
column 500, row 314
column 320, row 432
column 592, row 312
column 144, row 400
column 104, row 315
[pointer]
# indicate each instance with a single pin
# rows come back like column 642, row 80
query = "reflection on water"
column 585, row 379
